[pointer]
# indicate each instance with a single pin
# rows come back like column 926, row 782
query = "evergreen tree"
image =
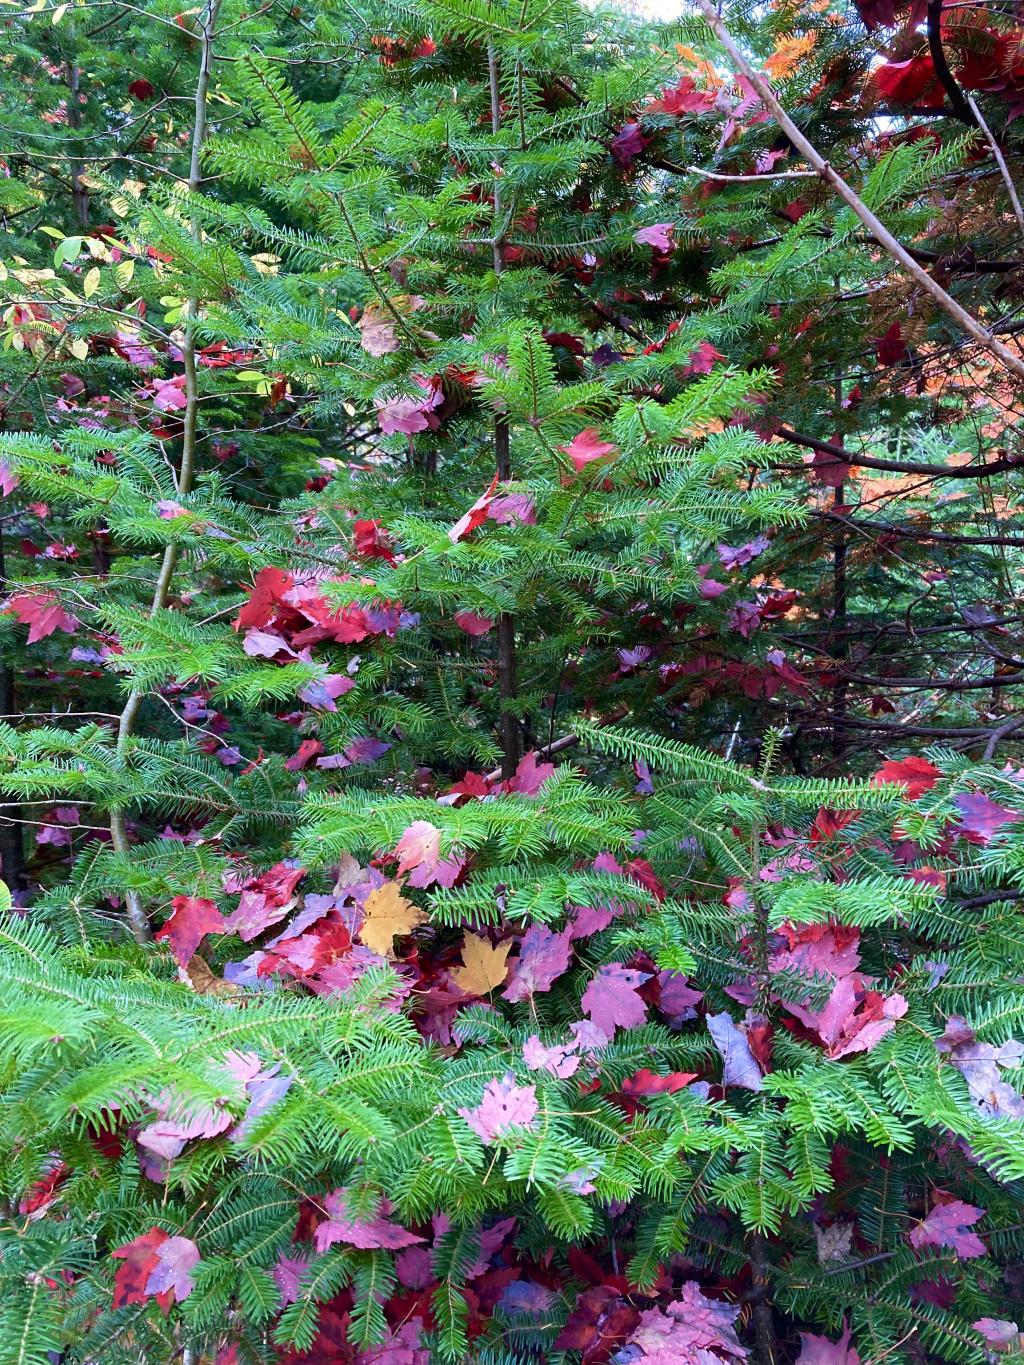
column 459, row 924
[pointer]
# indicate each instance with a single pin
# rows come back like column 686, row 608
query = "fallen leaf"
column 484, row 967
column 388, row 915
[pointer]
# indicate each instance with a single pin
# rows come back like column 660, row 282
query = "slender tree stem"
column 839, row 596
column 79, row 192
column 874, row 225
column 508, row 687
column 136, row 911
column 12, row 849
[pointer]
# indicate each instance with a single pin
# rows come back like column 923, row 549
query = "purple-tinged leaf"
column 947, row 1226
column 543, row 958
column 365, row 1233
column 415, row 1268
column 266, row 644
column 526, row 1298
column 175, row 1260
column 508, row 509
column 998, row 1334
column 694, row 1329
column 982, row 817
column 611, row 999
column 321, row 693
column 658, row 236
column 736, row 556
column 738, row 1065
column 288, row 1272
column 815, row 1350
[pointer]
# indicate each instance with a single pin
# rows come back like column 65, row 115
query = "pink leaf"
column 288, row 1272
column 377, row 331
column 998, row 1334
column 264, row 900
column 176, row 1259
column 504, row 1106
column 473, row 624
column 169, row 394
column 817, row 1350
column 855, row 1019
column 702, row 360
column 367, row 1234
column 401, row 1345
column 946, row 1226
column 586, row 447
column 530, row 776
column 696, row 1328
column 8, row 479
column 659, row 236
column 543, row 957
column 266, row 644
column 419, row 846
column 411, row 413
column 612, row 1001
column 508, row 508
column 561, row 1061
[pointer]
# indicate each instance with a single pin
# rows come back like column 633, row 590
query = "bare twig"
column 1000, row 160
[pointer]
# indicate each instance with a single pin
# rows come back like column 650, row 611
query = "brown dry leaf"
column 347, row 873
column 485, row 967
column 388, row 915
column 204, row 980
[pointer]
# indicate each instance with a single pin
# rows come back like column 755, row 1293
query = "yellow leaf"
column 91, row 282
column 484, row 968
column 80, row 348
column 388, row 915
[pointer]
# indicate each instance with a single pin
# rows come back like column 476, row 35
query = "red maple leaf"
column 190, row 920
column 916, row 774
column 476, row 515
column 42, row 613
column 140, row 1260
column 598, row 1324
column 372, row 542
column 269, row 588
